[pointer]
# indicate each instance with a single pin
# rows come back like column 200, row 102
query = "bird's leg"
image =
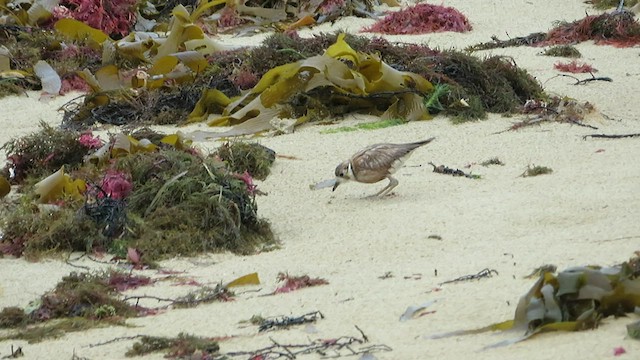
column 387, row 189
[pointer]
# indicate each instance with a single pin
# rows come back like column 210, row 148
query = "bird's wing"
column 381, row 157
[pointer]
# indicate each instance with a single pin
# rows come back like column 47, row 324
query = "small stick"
column 606, row 136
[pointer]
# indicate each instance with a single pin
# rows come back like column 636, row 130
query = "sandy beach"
column 433, row 228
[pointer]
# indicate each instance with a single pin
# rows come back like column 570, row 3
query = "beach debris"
column 575, row 299
column 421, row 19
column 249, row 279
column 617, row 351
column 181, row 347
column 633, row 330
column 42, row 153
column 536, row 170
column 556, row 109
column 252, row 158
column 568, row 51
column 58, row 187
column 79, row 301
column 281, row 91
column 484, row 273
column 329, row 183
column 15, row 353
column 492, row 161
column 611, row 136
column 619, row 29
column 293, row 283
column 50, row 80
column 414, row 311
column 147, row 193
column 374, row 125
column 574, row 67
column 442, row 169
column 284, row 322
column 334, row 347
column 588, row 80
column 541, row 270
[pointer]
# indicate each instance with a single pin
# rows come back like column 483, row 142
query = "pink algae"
column 422, row 19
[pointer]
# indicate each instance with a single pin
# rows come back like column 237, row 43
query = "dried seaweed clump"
column 181, row 347
column 495, row 84
column 250, row 157
column 26, row 46
column 76, row 295
column 422, row 19
column 184, row 205
column 575, row 299
column 43, row 152
column 619, row 29
column 32, row 230
column 79, row 301
column 147, row 107
column 154, row 194
column 563, row 51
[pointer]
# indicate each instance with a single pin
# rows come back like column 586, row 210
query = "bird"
column 375, row 163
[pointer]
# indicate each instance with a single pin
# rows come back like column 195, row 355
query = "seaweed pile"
column 145, row 191
column 78, row 302
column 142, row 78
column 618, row 28
column 575, row 299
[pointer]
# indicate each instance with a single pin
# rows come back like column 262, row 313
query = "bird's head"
column 343, row 173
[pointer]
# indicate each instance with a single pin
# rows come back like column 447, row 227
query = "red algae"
column 112, row 17
column 422, row 19
column 615, row 29
column 574, row 67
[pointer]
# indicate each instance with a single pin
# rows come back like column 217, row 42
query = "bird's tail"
column 423, row 142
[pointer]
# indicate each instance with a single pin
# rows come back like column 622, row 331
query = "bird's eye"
column 341, row 174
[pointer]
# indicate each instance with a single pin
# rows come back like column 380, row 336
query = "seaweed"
column 421, row 19
column 293, row 283
column 243, row 157
column 33, row 231
column 536, row 170
column 156, row 195
column 618, row 28
column 180, row 347
column 569, row 51
column 78, row 302
column 43, row 152
column 574, row 67
column 208, row 210
column 575, row 299
column 375, row 125
column 495, row 84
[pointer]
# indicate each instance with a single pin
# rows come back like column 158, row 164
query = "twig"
column 484, row 273
column 364, row 337
column 580, row 123
column 606, row 136
column 14, row 353
column 121, row 338
column 68, row 262
column 284, row 347
column 585, row 81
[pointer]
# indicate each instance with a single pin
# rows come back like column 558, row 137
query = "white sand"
column 586, row 212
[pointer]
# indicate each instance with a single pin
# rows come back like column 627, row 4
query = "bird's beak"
column 335, row 186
